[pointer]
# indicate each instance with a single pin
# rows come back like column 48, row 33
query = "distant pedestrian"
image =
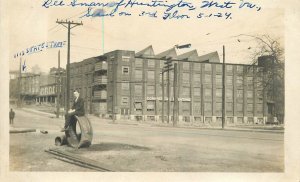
column 11, row 117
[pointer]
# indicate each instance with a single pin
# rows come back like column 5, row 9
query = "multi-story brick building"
column 29, row 87
column 82, row 75
column 129, row 86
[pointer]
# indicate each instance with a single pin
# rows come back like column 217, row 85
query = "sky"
column 31, row 24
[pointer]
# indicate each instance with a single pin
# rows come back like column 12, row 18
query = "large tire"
column 84, row 139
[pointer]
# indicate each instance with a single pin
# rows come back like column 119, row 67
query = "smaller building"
column 30, row 87
column 51, row 86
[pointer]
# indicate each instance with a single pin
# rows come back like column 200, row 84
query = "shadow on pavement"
column 115, row 147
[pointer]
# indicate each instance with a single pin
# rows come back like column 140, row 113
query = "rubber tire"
column 80, row 140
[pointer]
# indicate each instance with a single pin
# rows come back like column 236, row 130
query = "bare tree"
column 273, row 82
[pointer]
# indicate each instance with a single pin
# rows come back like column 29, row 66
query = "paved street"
column 143, row 147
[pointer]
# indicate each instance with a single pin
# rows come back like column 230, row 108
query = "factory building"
column 128, row 86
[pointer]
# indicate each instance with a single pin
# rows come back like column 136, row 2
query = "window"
column 197, row 107
column 186, row 91
column 229, row 68
column 239, row 107
column 186, row 107
column 151, row 63
column 138, row 106
column 259, row 94
column 138, row 63
column 161, row 64
column 239, row 69
column 125, row 86
column 229, row 94
column 207, row 92
column 229, row 107
column 249, row 108
column 150, row 75
column 197, row 78
column 259, row 82
column 150, row 105
column 125, row 101
column 249, row 79
column 171, row 76
column 138, row 74
column 219, row 79
column 207, row 67
column 249, row 94
column 186, row 77
column 197, row 91
column 207, row 106
column 138, row 89
column 229, row 80
column 250, row 69
column 250, row 82
column 185, row 66
column 219, row 107
column 197, row 67
column 239, row 80
column 207, row 79
column 219, row 92
column 150, row 90
column 219, row 68
column 259, row 108
column 125, row 70
column 125, row 58
column 89, row 91
column 240, row 93
column 160, row 77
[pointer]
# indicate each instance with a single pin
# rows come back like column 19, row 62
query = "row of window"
column 84, row 79
column 185, row 91
column 82, row 69
column 197, row 77
column 197, row 66
column 150, row 106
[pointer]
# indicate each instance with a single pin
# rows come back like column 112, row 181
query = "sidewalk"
column 248, row 128
column 39, row 112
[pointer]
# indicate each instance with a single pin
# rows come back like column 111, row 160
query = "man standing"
column 11, row 117
column 77, row 109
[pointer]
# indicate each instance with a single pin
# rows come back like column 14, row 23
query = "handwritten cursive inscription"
column 40, row 47
column 164, row 9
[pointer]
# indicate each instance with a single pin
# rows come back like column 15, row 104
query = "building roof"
column 168, row 53
column 191, row 55
column 148, row 51
column 212, row 57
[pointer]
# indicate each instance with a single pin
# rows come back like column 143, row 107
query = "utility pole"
column 168, row 67
column 58, row 87
column 19, row 84
column 202, row 102
column 175, row 105
column 113, row 92
column 69, row 25
column 223, row 90
column 163, row 96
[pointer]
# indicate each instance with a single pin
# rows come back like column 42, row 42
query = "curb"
column 225, row 129
column 22, row 130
